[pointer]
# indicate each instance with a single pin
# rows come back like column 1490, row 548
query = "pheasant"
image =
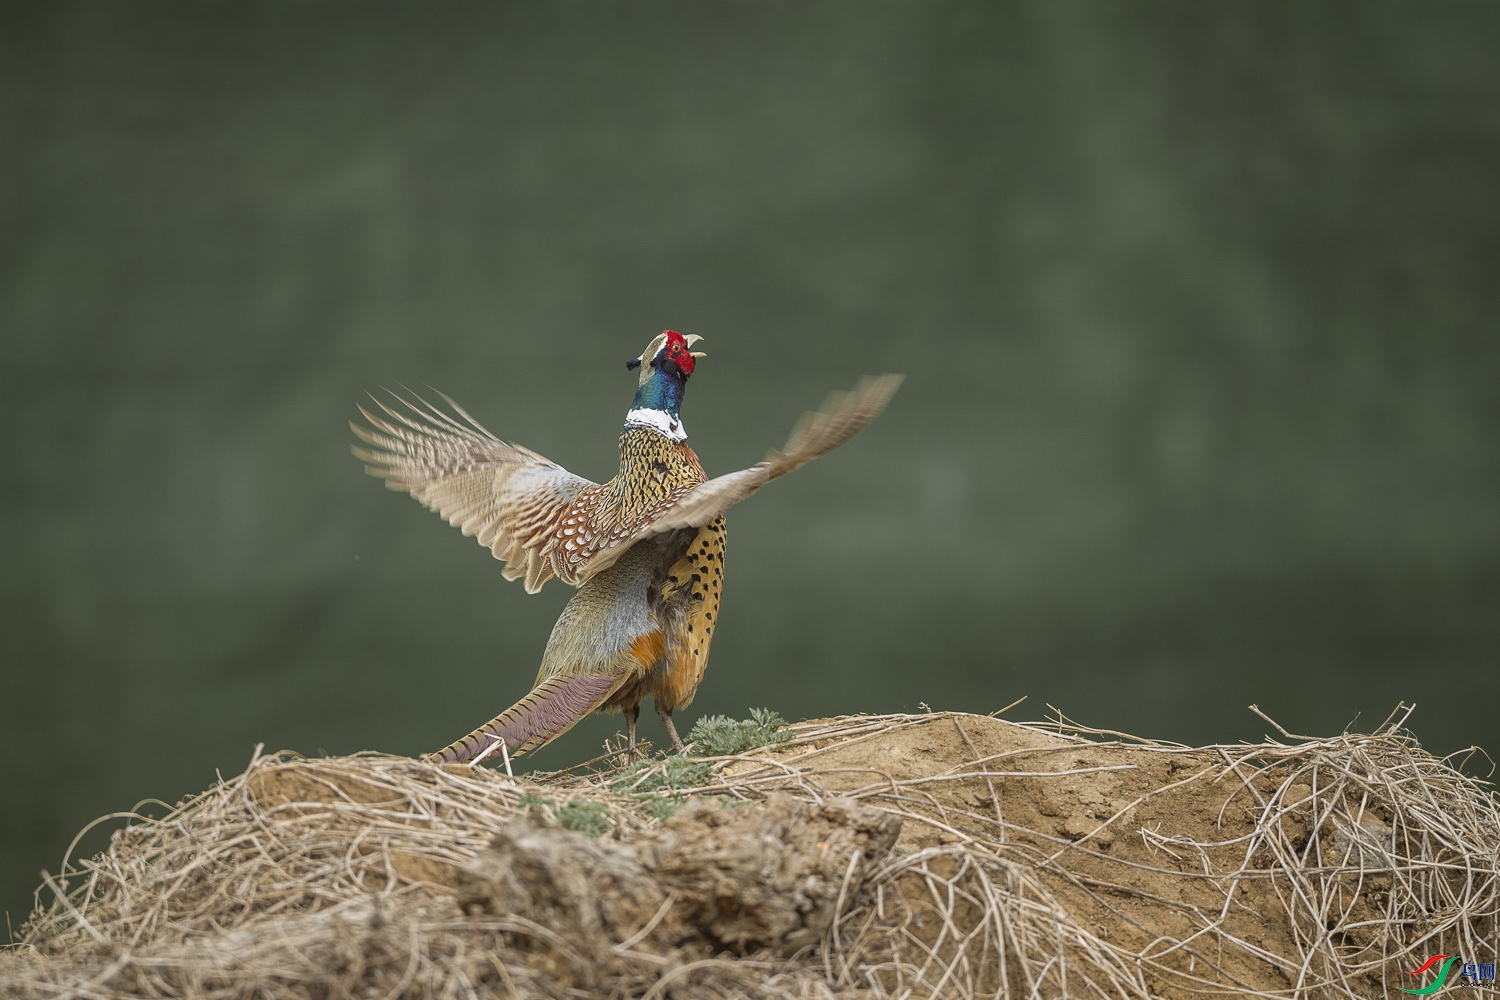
column 645, row 550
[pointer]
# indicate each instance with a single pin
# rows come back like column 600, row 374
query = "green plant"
column 721, row 736
column 660, row 807
column 586, row 817
column 651, row 775
column 531, row 800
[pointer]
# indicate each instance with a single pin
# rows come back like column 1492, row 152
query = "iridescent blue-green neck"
column 662, row 391
column 658, row 403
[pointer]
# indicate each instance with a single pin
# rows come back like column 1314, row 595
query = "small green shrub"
column 660, row 807
column 531, row 800
column 584, row 816
column 721, row 736
column 673, row 772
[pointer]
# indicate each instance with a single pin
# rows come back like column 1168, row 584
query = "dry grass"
column 1035, row 860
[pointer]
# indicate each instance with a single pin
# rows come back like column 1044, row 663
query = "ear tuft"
column 633, row 364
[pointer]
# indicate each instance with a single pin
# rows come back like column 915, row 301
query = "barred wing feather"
column 509, row 498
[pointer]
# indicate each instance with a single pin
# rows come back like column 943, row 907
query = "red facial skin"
column 677, row 350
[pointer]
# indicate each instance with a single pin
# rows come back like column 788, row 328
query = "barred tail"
column 551, row 709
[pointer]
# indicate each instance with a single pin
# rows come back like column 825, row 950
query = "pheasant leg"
column 666, row 720
column 632, row 712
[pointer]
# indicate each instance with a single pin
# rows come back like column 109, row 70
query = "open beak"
column 693, row 338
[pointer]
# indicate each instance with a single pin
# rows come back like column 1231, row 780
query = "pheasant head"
column 665, row 366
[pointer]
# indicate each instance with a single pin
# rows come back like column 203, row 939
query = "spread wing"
column 843, row 415
column 509, row 498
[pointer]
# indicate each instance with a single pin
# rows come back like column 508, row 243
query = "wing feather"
column 843, row 415
column 509, row 498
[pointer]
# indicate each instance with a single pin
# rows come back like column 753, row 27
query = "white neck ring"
column 658, row 420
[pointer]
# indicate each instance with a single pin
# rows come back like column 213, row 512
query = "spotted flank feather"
column 695, row 584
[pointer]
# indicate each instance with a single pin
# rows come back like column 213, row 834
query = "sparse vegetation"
column 531, row 800
column 658, row 784
column 654, row 774
column 649, row 781
column 584, row 816
column 659, row 807
column 721, row 736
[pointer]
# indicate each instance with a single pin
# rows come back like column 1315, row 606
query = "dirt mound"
column 709, row 880
column 931, row 855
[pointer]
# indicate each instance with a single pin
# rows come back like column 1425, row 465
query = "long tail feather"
column 551, row 709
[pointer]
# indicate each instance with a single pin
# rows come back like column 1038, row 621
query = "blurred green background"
column 1197, row 304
